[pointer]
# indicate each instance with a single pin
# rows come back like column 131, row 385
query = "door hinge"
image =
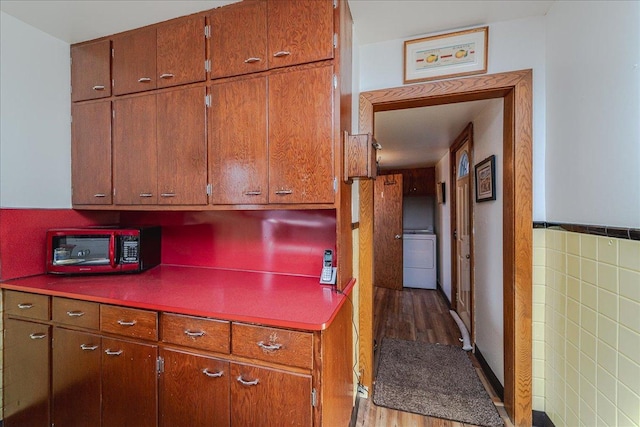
column 209, row 189
column 335, row 40
column 207, row 31
column 160, row 365
column 314, row 397
column 207, row 100
column 335, row 4
column 207, row 65
column 113, row 54
column 335, row 81
column 335, row 184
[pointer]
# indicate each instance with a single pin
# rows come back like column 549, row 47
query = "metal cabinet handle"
column 281, row 53
column 110, row 352
column 126, row 322
column 99, row 195
column 243, row 382
column 252, row 193
column 284, row 192
column 98, row 87
column 166, row 76
column 269, row 347
column 87, row 347
column 75, row 313
column 398, row 237
column 144, row 79
column 146, row 194
column 192, row 334
column 25, row 306
column 167, row 194
column 37, row 336
column 252, row 60
column 212, row 374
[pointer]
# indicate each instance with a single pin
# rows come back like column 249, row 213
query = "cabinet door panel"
column 91, row 71
column 26, row 374
column 182, row 147
column 194, row 391
column 301, row 136
column 262, row 397
column 134, row 145
column 76, row 378
column 129, row 387
column 239, row 39
column 91, row 154
column 299, row 31
column 238, row 142
column 134, row 62
column 181, row 52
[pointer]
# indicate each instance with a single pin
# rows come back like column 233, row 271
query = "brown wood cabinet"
column 416, row 181
column 156, row 57
column 91, row 154
column 159, row 148
column 301, row 145
column 91, row 71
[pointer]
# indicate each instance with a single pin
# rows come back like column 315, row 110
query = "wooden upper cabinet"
column 238, row 166
column 181, row 52
column 91, row 71
column 299, row 31
column 239, row 39
column 134, row 151
column 91, row 154
column 134, row 61
column 157, row 57
column 182, row 147
column 301, row 136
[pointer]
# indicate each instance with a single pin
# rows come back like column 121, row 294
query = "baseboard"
column 540, row 419
column 491, row 377
column 446, row 298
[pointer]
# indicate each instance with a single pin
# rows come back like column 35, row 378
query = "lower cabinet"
column 26, row 374
column 194, row 390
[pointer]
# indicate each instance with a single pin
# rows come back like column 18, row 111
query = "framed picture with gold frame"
column 461, row 53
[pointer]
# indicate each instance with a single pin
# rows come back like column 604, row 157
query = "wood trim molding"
column 516, row 90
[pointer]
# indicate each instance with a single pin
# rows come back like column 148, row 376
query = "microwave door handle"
column 112, row 250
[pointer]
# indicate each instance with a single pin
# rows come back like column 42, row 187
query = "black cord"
column 355, row 328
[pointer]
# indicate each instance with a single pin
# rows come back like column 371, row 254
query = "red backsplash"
column 274, row 241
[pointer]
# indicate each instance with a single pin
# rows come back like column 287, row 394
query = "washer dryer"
column 419, row 259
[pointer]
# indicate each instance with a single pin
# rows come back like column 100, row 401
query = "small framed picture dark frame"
column 486, row 180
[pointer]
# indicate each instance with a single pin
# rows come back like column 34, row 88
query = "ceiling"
column 410, row 138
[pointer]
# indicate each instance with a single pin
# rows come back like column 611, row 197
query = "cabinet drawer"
column 24, row 304
column 273, row 345
column 83, row 314
column 196, row 332
column 129, row 322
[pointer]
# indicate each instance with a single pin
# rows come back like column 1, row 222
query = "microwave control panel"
column 130, row 252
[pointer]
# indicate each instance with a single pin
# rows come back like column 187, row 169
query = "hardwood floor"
column 416, row 315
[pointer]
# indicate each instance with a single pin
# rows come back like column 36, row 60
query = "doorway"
column 515, row 88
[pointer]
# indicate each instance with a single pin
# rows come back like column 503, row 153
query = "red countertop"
column 289, row 301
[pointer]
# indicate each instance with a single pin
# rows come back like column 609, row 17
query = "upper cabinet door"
column 134, row 62
column 91, row 71
column 299, row 31
column 181, row 52
column 239, row 39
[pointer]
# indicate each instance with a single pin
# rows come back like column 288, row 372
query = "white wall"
column 443, row 227
column 487, row 241
column 513, row 45
column 593, row 111
column 35, row 129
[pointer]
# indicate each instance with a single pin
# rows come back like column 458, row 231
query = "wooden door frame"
column 515, row 88
column 465, row 135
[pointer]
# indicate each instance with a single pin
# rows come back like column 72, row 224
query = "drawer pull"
column 253, row 193
column 168, row 195
column 146, row 194
column 166, row 76
column 37, row 336
column 87, row 347
column 284, row 192
column 243, row 382
column 75, row 313
column 212, row 374
column 99, row 195
column 126, row 323
column 281, row 53
column 113, row 353
column 144, row 79
column 193, row 334
column 98, row 87
column 252, row 60
column 269, row 347
column 25, row 306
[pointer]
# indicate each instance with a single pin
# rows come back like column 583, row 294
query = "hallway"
column 416, row 315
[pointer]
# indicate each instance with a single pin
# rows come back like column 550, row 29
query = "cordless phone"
column 328, row 275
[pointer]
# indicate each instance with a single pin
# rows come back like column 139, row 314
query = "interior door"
column 387, row 232
column 463, row 235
